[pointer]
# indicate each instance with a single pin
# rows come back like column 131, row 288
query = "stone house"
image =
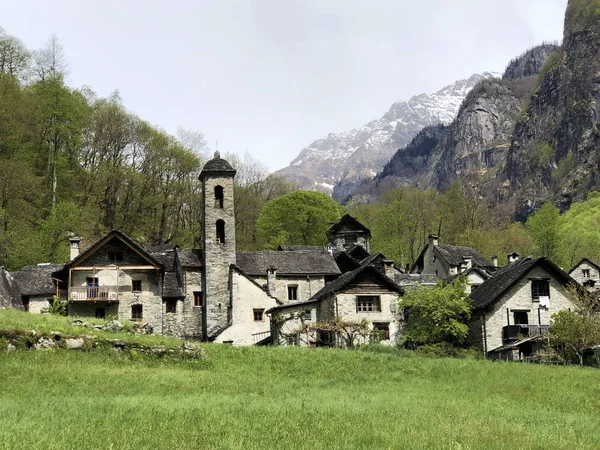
column 586, row 273
column 512, row 309
column 213, row 294
column 364, row 294
column 38, row 286
column 445, row 261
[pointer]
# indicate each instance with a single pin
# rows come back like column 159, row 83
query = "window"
column 293, row 292
column 115, row 256
column 368, row 304
column 136, row 286
column 197, row 298
column 589, row 283
column 136, row 312
column 100, row 313
column 382, row 331
column 521, row 317
column 171, row 306
column 219, row 197
column 290, row 339
column 258, row 314
column 307, row 315
column 586, row 273
column 540, row 288
column 92, row 287
column 220, row 231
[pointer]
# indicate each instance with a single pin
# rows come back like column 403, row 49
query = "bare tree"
column 50, row 60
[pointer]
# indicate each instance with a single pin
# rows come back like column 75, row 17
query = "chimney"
column 512, row 257
column 271, row 279
column 434, row 239
column 388, row 266
column 495, row 261
column 74, row 241
column 467, row 262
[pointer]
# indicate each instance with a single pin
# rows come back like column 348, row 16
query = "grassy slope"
column 292, row 398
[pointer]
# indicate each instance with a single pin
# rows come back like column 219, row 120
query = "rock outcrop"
column 555, row 150
column 10, row 296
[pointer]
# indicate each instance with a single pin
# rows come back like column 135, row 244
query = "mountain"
column 474, row 146
column 359, row 154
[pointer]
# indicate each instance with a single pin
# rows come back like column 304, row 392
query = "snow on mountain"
column 360, row 153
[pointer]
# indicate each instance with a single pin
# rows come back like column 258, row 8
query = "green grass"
column 290, row 398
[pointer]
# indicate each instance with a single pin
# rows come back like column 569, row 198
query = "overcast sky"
column 269, row 77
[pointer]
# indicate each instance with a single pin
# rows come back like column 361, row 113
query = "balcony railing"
column 516, row 332
column 96, row 293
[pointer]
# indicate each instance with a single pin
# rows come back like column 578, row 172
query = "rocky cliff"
column 360, row 154
column 555, row 150
column 9, row 291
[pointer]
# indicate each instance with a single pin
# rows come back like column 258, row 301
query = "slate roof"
column 349, row 222
column 341, row 282
column 166, row 259
column 190, row 257
column 161, row 248
column 585, row 260
column 217, row 165
column 290, row 263
column 37, row 280
column 358, row 252
column 453, row 254
column 107, row 237
column 345, row 262
column 370, row 260
column 10, row 296
column 409, row 279
column 492, row 289
column 296, row 248
column 172, row 286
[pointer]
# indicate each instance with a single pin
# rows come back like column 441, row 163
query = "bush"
column 446, row 350
column 58, row 307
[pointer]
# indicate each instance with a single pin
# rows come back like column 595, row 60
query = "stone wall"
column 519, row 297
column 307, row 286
column 39, row 302
column 192, row 282
column 288, row 324
column 577, row 274
column 246, row 297
column 435, row 266
column 218, row 256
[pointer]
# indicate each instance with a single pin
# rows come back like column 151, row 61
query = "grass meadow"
column 292, row 398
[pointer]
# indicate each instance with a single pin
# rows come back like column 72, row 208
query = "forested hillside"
column 71, row 161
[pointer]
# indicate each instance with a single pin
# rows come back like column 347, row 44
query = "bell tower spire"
column 218, row 243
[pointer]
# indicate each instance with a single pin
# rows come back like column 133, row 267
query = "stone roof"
column 345, row 279
column 172, row 286
column 162, row 248
column 350, row 224
column 345, row 262
column 287, row 263
column 10, row 296
column 410, row 279
column 37, row 280
column 107, row 237
column 166, row 259
column 217, row 165
column 190, row 257
column 296, row 248
column 454, row 254
column 479, row 270
column 358, row 252
column 492, row 289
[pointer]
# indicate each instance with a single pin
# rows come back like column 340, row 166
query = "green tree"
column 543, row 227
column 574, row 332
column 438, row 315
column 301, row 218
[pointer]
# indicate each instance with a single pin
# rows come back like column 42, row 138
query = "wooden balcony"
column 95, row 294
column 516, row 332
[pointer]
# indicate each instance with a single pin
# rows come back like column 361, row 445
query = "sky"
column 268, row 77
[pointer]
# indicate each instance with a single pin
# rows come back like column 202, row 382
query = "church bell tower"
column 218, row 243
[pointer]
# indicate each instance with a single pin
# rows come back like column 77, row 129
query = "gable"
column 368, row 282
column 349, row 224
column 115, row 249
